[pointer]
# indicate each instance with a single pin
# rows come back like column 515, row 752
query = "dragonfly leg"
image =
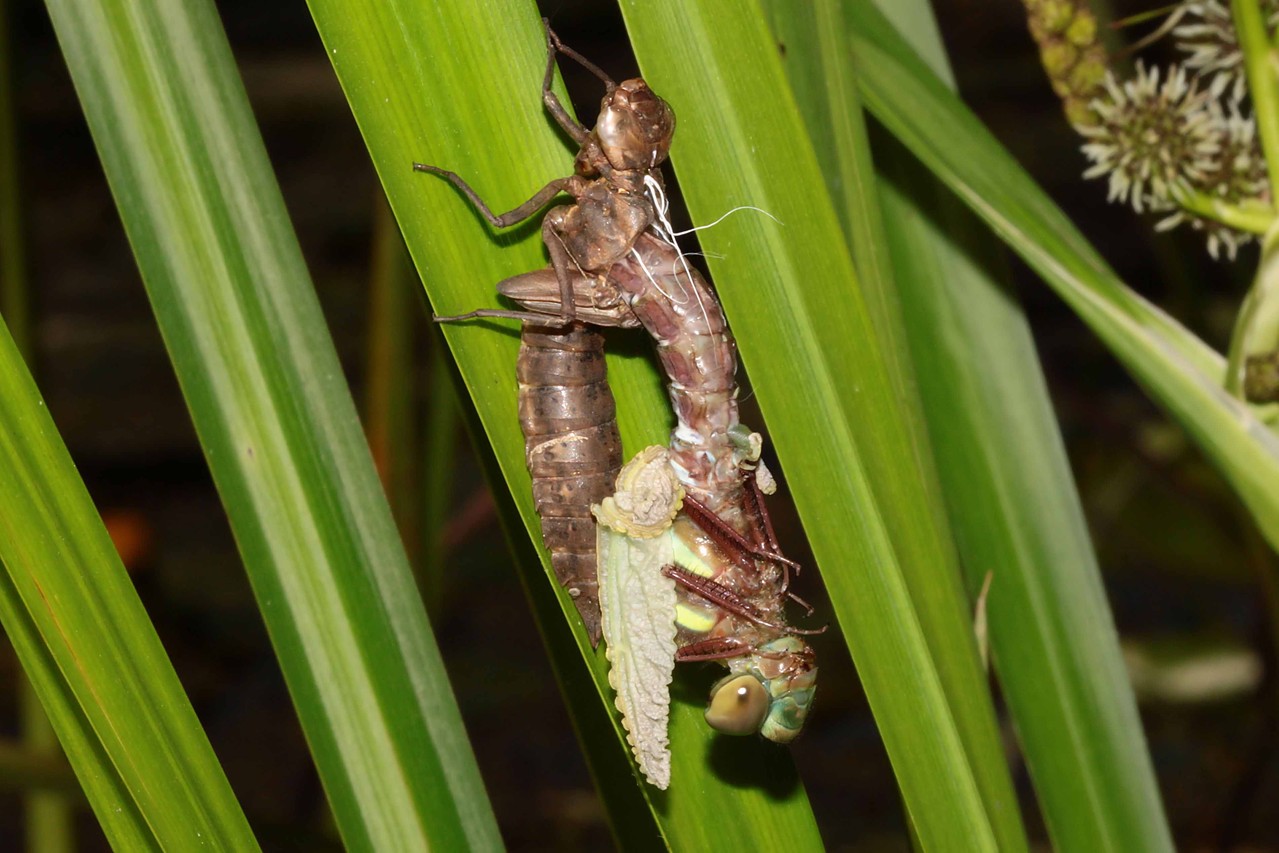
column 763, row 521
column 726, row 599
column 760, row 511
column 718, row 594
column 713, row 648
column 553, row 321
column 513, row 216
column 732, row 542
column 550, row 100
column 562, row 262
column 808, row 608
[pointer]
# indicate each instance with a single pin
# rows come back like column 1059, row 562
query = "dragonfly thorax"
column 635, row 127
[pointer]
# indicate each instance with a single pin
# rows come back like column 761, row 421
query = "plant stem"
column 1263, row 85
column 439, row 454
column 49, row 824
column 1257, row 327
column 1255, row 344
column 389, row 401
column 13, row 280
column 1253, row 217
column 24, row 770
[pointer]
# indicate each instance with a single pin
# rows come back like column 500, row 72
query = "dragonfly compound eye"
column 738, row 705
column 635, row 126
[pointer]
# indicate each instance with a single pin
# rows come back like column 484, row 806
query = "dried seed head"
column 1177, row 136
column 1156, row 141
column 1066, row 32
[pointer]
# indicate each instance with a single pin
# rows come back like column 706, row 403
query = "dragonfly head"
column 635, row 126
column 769, row 692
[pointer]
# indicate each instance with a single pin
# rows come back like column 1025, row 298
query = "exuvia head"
column 635, row 126
column 769, row 691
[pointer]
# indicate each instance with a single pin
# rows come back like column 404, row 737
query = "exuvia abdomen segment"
column 572, row 448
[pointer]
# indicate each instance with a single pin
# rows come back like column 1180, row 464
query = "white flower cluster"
column 1204, row 30
column 1155, row 141
column 1239, row 173
column 1160, row 141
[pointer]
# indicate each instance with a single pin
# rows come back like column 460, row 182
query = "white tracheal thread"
column 667, row 233
column 728, row 214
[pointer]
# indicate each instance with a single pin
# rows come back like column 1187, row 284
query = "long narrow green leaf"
column 825, row 360
column 1006, row 477
column 458, row 85
column 1178, row 369
column 1051, row 635
column 90, row 651
column 244, row 329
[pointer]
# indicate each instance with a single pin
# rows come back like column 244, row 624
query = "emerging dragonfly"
column 572, row 469
column 614, row 262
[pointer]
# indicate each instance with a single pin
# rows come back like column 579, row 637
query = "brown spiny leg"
column 740, row 551
column 549, row 99
column 726, row 599
column 515, row 215
column 562, row 261
column 759, row 511
column 549, row 320
column 713, row 648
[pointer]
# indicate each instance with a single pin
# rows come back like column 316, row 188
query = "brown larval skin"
column 571, row 442
column 610, row 267
column 610, row 208
column 572, row 448
column 566, row 410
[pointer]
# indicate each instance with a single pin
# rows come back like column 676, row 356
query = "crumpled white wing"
column 637, row 603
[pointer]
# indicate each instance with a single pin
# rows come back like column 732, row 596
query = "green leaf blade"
column 92, row 654
column 253, row 356
column 1014, row 507
column 460, row 89
column 845, row 433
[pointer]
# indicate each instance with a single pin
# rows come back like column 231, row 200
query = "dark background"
column 1181, row 563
